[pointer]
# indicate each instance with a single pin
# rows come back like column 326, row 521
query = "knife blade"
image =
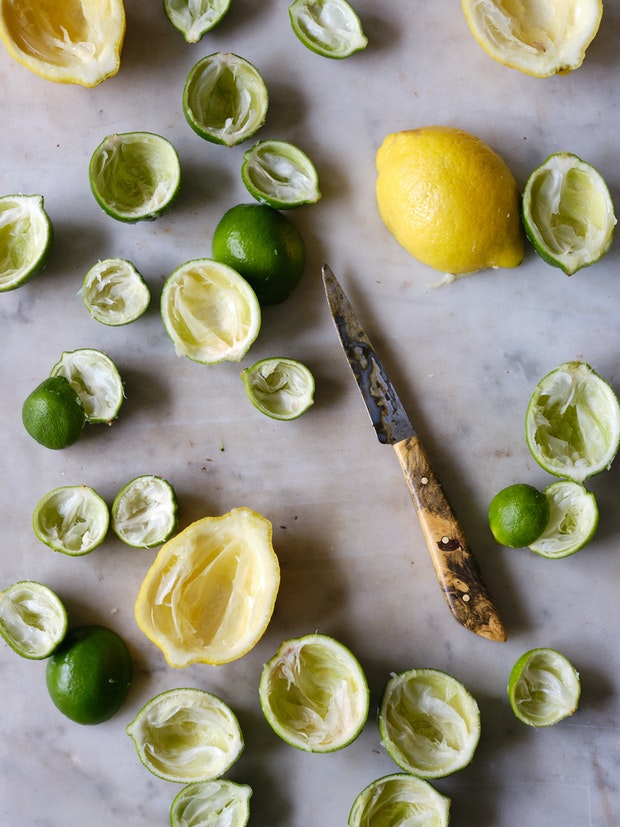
column 456, row 568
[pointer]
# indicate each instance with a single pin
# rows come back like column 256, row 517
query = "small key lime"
column 53, row 413
column 518, row 515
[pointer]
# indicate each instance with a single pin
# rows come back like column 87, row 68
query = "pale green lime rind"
column 25, row 239
column 72, row 519
column 210, row 312
column 33, row 619
column 314, row 694
column 572, row 523
column 568, row 213
column 114, row 292
column 94, row 376
column 400, row 798
column 193, row 19
column 543, row 687
column 217, row 803
column 330, row 28
column 429, row 722
column 279, row 387
column 572, row 424
column 135, row 176
column 225, row 99
column 279, row 174
column 145, row 512
column 186, row 735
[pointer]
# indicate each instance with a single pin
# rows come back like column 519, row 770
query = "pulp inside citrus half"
column 217, row 803
column 25, row 239
column 543, row 687
column 193, row 18
column 573, row 520
column 33, row 619
column 72, row 519
column 331, row 28
column 279, row 174
column 399, row 799
column 145, row 512
column 280, row 388
column 114, row 292
column 93, row 375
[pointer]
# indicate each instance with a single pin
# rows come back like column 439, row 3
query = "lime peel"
column 93, row 375
column 25, row 239
column 193, row 19
column 279, row 174
column 71, row 519
column 281, row 388
column 573, row 520
column 399, row 798
column 543, row 687
column 145, row 512
column 114, row 292
column 216, row 802
column 330, row 28
column 33, row 619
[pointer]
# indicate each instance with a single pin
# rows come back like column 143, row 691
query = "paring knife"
column 456, row 568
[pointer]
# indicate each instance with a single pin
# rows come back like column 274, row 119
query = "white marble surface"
column 464, row 357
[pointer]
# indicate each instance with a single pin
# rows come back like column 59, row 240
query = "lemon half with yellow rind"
column 537, row 37
column 543, row 687
column 33, row 619
column 572, row 424
column 400, row 798
column 216, row 803
column 72, row 519
column 25, row 239
column 193, row 18
column 330, row 28
column 73, row 41
column 573, row 520
column 210, row 593
column 186, row 735
column 94, row 376
column 568, row 213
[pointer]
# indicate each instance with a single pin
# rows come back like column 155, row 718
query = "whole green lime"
column 53, row 413
column 518, row 515
column 264, row 246
column 89, row 675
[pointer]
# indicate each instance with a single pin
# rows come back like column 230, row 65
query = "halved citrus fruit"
column 216, row 803
column 72, row 519
column 193, row 18
column 114, row 292
column 429, row 722
column 186, row 735
column 314, row 694
column 543, row 687
column 93, row 375
column 279, row 174
column 25, row 239
column 573, row 520
column 330, row 28
column 399, row 798
column 33, row 619
column 280, row 388
column 572, row 424
column 145, row 512
column 211, row 591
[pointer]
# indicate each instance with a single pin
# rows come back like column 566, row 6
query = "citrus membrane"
column 93, row 375
column 572, row 424
column 33, row 619
column 210, row 593
column 314, row 694
column 186, row 735
column 25, row 239
column 279, row 388
column 72, row 519
column 573, row 520
column 89, row 674
column 399, row 799
column 114, row 292
column 217, row 803
column 225, row 98
column 331, row 28
column 76, row 41
column 193, row 18
column 53, row 413
column 568, row 213
column 543, row 687
column 518, row 515
column 134, row 176
column 279, row 174
column 537, row 37
column 429, row 722
column 145, row 512
column 210, row 312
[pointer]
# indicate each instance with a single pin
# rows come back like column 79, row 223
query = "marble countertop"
column 465, row 358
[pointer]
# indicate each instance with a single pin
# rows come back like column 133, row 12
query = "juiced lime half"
column 93, row 375
column 572, row 424
column 72, row 519
column 568, row 213
column 331, row 28
column 186, row 735
column 145, row 512
column 114, row 292
column 314, row 694
column 543, row 687
column 279, row 388
column 225, row 98
column 279, row 174
column 135, row 176
column 217, row 803
column 210, row 312
column 573, row 520
column 400, row 798
column 25, row 239
column 193, row 18
column 33, row 619
column 429, row 722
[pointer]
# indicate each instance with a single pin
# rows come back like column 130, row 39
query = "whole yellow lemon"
column 450, row 200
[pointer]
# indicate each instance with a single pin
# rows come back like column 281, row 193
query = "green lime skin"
column 264, row 246
column 89, row 675
column 53, row 414
column 518, row 515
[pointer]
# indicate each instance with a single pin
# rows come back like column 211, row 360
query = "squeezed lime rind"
column 211, row 804
column 543, row 687
column 93, row 375
column 330, row 28
column 279, row 174
column 279, row 387
column 573, row 520
column 71, row 519
column 399, row 798
column 145, row 512
column 114, row 292
column 26, row 236
column 194, row 20
column 33, row 619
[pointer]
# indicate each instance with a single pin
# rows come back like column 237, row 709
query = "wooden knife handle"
column 456, row 568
